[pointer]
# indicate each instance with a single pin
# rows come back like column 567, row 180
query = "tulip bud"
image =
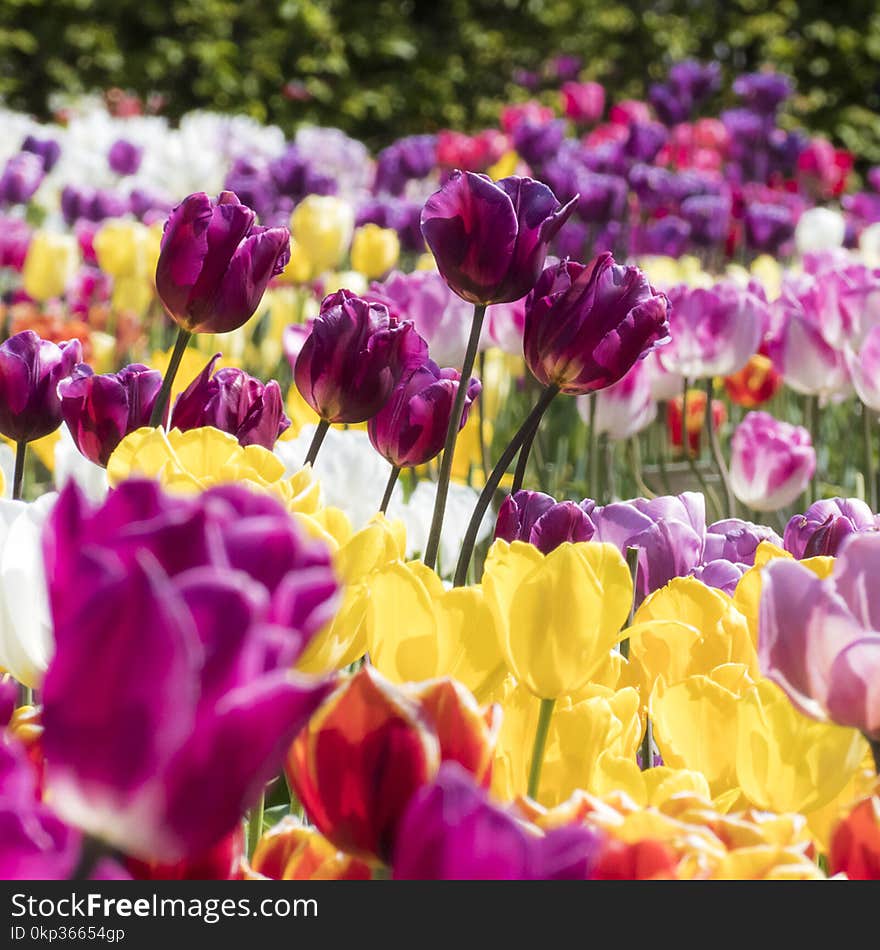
column 215, row 263
column 30, row 371
column 233, row 402
column 410, row 428
column 374, row 250
column 101, row 410
column 771, row 462
column 353, row 358
column 489, row 239
column 586, row 326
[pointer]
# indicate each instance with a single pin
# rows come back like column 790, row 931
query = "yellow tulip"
column 505, row 166
column 195, row 460
column 346, row 280
column 786, row 761
column 299, row 267
column 322, row 226
column 51, row 261
column 356, row 559
column 558, row 614
column 769, row 272
column 767, row 862
column 374, row 250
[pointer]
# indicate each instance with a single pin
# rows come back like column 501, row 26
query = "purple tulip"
column 713, row 331
column 645, row 140
column 671, row 106
column 669, row 531
column 587, row 325
column 101, row 410
column 170, row 700
column 451, row 830
column 694, row 79
column 768, row 226
column 771, row 462
column 490, row 238
column 818, row 639
column 602, row 197
column 669, row 236
column 21, row 177
column 30, row 371
column 215, row 263
column 91, row 205
column 709, row 218
column 48, row 149
column 540, row 520
column 354, row 357
column 234, row 402
column 125, row 157
column 536, row 142
column 823, row 527
column 407, row 159
column 721, row 574
column 410, row 428
column 737, row 541
column 763, row 92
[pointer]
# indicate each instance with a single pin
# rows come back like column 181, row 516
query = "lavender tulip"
column 823, row 527
column 30, row 371
column 586, row 326
column 353, row 358
column 709, row 218
column 542, row 521
column 101, row 410
column 215, row 263
column 490, row 238
column 768, row 226
column 763, row 92
column 410, row 428
column 48, row 150
column 234, row 402
column 737, row 541
column 721, row 574
column 771, row 462
column 21, row 177
column 125, row 157
column 182, row 616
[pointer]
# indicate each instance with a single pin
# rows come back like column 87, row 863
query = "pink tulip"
column 624, row 408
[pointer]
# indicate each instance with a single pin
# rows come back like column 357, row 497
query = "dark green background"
column 386, row 68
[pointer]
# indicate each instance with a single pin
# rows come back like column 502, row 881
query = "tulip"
column 219, row 863
column 819, row 229
column 48, row 150
column 21, row 177
column 184, row 616
column 410, row 428
column 772, row 462
column 322, row 226
column 124, row 157
column 624, row 408
column 736, row 541
column 864, row 369
column 290, row 851
column 583, row 102
column 374, row 250
column 101, row 410
column 490, row 238
column 234, row 402
column 764, row 92
column 586, row 326
column 825, row 525
column 51, row 261
column 855, row 847
column 754, row 384
column 818, row 638
column 373, row 736
column 352, row 360
column 713, row 332
column 542, row 521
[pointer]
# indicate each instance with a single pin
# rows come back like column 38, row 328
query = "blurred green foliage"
column 383, row 68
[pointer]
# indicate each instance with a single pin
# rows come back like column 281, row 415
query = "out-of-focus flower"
column 768, row 226
column 823, row 527
column 534, row 597
column 824, row 169
column 353, row 358
column 410, row 428
column 623, row 408
column 101, row 410
column 51, row 261
column 374, row 250
column 124, row 157
column 542, row 521
column 489, row 239
column 765, row 91
column 855, row 847
column 48, row 150
column 212, row 599
column 754, row 384
column 322, row 227
column 215, row 263
column 25, row 628
column 234, row 402
column 864, row 369
column 30, row 371
column 291, row 851
column 771, row 462
column 818, row 638
column 221, row 862
column 819, row 229
column 586, row 326
column 21, row 177
column 583, row 102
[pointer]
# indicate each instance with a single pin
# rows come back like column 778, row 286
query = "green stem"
column 635, row 457
column 632, row 562
column 815, row 434
column 18, row 474
column 389, row 488
column 433, row 545
column 870, row 468
column 161, row 404
column 717, row 454
column 317, row 440
column 544, row 717
column 481, row 421
column 255, row 824
column 663, row 418
column 523, row 460
column 647, row 749
column 693, row 462
column 594, row 455
column 494, row 480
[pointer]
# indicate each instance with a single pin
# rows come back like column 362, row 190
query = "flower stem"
column 18, row 474
column 389, row 488
column 161, row 404
column 470, row 538
column 523, row 460
column 717, row 454
column 647, row 749
column 593, row 487
column 632, row 562
column 870, row 468
column 317, row 439
column 481, row 421
column 544, row 717
column 255, row 824
column 433, row 545
column 693, row 462
column 815, row 427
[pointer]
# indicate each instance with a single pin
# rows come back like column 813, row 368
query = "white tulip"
column 819, row 229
